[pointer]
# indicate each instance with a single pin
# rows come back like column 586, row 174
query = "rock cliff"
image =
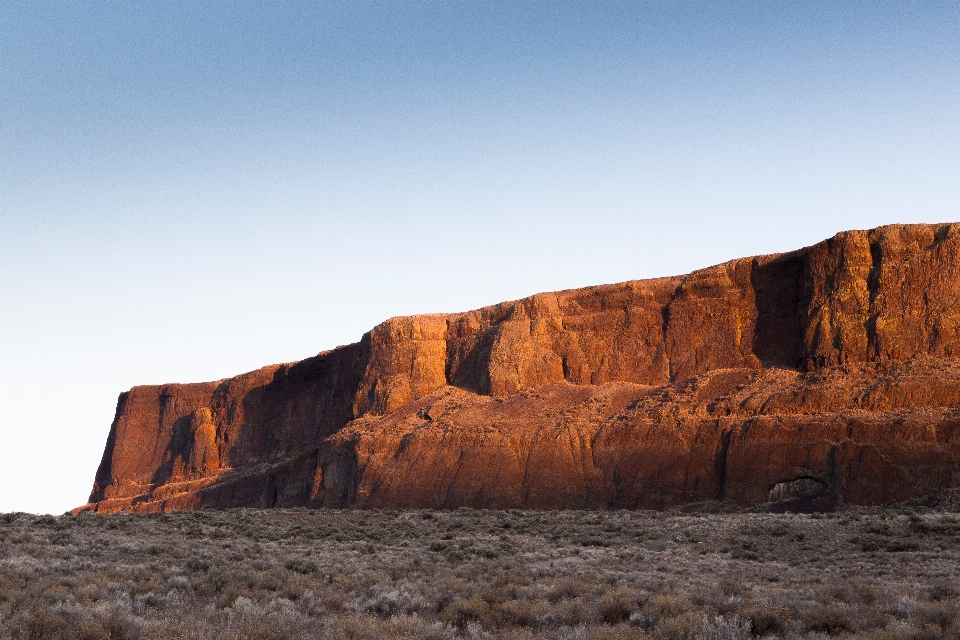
column 828, row 374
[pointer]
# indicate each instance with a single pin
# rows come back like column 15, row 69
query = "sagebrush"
column 871, row 573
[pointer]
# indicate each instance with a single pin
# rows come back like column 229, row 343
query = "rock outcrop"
column 828, row 374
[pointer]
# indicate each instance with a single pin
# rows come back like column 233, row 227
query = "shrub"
column 765, row 621
column 730, row 586
column 832, row 618
column 519, row 613
column 941, row 614
column 665, row 606
column 615, row 608
column 45, row 623
column 461, row 612
column 602, row 633
column 178, row 583
column 298, row 565
column 685, row 627
column 565, row 588
column 572, row 612
column 382, row 582
column 120, row 626
column 942, row 591
column 875, row 543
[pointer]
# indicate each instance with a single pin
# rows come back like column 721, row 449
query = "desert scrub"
column 882, row 573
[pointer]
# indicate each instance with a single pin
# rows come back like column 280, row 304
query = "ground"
column 872, row 573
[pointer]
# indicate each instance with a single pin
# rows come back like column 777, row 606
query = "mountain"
column 826, row 375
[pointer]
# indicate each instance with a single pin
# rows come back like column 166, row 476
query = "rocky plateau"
column 825, row 376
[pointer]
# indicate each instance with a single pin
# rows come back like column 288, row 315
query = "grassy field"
column 878, row 573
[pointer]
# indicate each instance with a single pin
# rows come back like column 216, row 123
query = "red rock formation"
column 829, row 373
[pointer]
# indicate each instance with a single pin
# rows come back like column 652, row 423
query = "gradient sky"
column 191, row 190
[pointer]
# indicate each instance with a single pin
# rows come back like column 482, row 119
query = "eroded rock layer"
column 827, row 374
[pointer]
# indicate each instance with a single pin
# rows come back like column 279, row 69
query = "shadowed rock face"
column 829, row 373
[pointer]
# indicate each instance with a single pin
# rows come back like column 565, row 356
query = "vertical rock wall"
column 892, row 293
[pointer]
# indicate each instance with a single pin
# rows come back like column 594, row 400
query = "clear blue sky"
column 190, row 190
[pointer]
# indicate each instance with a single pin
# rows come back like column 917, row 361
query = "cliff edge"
column 826, row 375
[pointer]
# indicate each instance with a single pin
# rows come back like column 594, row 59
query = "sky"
column 192, row 190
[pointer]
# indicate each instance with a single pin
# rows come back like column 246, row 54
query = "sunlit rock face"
column 830, row 374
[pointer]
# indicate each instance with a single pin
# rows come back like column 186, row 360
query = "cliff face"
column 829, row 373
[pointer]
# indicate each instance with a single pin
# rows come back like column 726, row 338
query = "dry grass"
column 882, row 573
